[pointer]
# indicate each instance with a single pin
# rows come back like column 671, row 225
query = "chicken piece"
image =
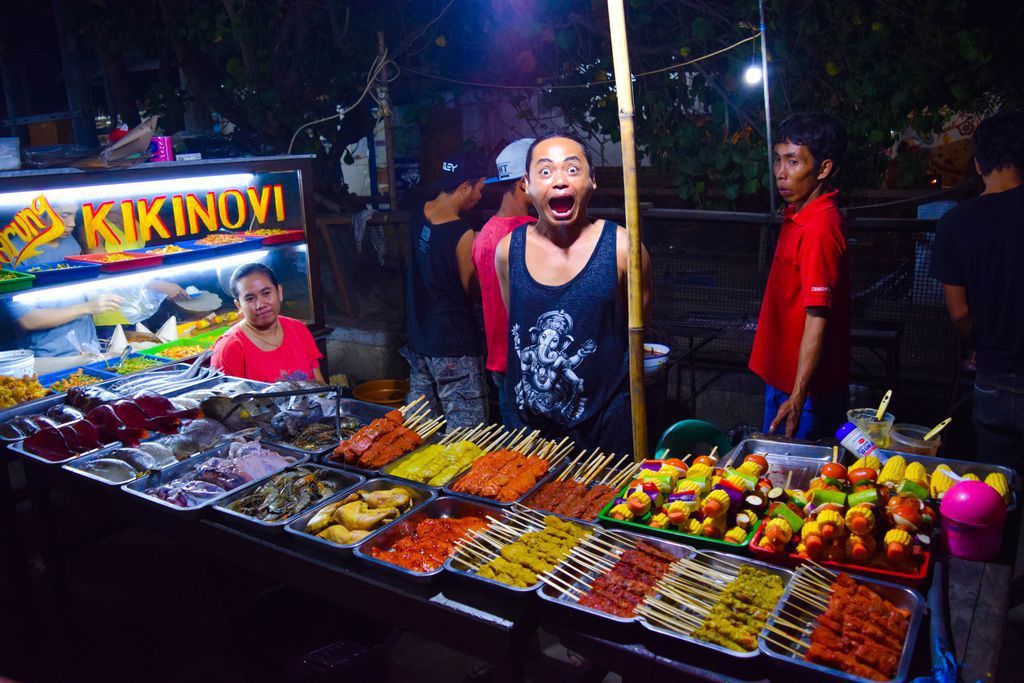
column 397, row 497
column 323, row 516
column 342, row 536
column 357, row 515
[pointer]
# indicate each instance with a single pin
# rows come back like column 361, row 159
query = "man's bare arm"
column 959, row 311
column 811, row 344
column 501, row 266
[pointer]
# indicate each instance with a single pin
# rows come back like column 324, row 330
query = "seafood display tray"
column 900, row 596
column 960, row 467
column 551, row 595
column 348, row 407
column 670, row 534
column 74, row 466
column 802, row 459
column 449, row 566
column 296, row 527
column 139, row 486
column 19, row 448
column 448, row 491
column 345, row 483
column 794, row 560
column 718, row 560
column 438, row 508
column 215, row 382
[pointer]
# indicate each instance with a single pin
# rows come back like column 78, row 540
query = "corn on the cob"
column 971, row 476
column 898, row 536
column 750, row 467
column 871, row 461
column 917, row 473
column 698, row 470
column 997, row 480
column 810, row 528
column 893, row 471
column 693, row 526
column 831, row 524
column 941, row 481
column 736, row 535
column 739, row 482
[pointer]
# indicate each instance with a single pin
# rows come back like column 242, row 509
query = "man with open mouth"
column 563, row 280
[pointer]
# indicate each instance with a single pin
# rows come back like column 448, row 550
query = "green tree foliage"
column 880, row 67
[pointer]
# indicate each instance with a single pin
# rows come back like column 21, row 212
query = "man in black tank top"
column 444, row 350
column 563, row 280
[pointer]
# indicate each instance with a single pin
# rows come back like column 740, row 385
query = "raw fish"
column 88, row 397
column 49, row 444
column 64, row 413
column 161, row 454
column 114, row 471
column 112, row 428
column 139, row 459
column 221, row 472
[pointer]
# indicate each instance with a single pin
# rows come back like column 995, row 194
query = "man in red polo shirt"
column 802, row 346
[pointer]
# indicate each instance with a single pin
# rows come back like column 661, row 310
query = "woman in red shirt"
column 265, row 346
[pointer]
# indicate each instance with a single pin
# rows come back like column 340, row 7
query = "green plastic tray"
column 18, row 282
column 193, row 341
column 671, row 535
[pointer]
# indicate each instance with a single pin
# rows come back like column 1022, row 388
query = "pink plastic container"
column 972, row 520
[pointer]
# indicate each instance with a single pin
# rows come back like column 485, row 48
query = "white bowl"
column 653, row 363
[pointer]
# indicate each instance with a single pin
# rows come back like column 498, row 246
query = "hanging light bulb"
column 752, row 76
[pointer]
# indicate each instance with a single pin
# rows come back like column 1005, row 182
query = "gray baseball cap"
column 511, row 162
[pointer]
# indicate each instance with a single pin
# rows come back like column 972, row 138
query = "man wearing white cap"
column 514, row 212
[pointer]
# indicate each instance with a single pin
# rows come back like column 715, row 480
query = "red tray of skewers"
column 386, row 439
column 912, row 577
column 113, row 263
column 507, row 477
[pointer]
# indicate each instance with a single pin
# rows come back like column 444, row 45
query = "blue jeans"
column 999, row 419
column 821, row 417
column 456, row 382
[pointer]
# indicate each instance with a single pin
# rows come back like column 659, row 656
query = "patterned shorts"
column 454, row 385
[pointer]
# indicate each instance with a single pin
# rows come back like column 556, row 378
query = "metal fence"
column 713, row 266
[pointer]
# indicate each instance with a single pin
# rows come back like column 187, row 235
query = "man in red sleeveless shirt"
column 802, row 346
column 513, row 212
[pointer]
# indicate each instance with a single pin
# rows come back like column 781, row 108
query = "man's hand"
column 789, row 413
column 168, row 289
column 104, row 303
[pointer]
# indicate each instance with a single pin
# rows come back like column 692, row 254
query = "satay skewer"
column 404, row 409
column 614, row 470
column 565, row 472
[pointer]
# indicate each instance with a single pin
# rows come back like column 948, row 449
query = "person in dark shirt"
column 977, row 254
column 444, row 350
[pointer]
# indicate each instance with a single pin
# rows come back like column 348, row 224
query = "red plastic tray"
column 283, row 238
column 134, row 261
column 794, row 560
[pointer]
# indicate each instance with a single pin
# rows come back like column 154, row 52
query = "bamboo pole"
column 634, row 277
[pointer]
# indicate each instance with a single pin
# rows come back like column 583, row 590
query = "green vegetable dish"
column 131, row 365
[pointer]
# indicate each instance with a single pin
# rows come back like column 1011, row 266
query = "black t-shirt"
column 980, row 245
column 438, row 312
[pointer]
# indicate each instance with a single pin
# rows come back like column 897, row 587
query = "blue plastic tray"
column 53, row 276
column 108, row 366
column 49, row 379
column 195, row 252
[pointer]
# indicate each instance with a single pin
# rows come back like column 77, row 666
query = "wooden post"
column 634, row 279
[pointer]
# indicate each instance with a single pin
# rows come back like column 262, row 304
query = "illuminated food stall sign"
column 132, row 215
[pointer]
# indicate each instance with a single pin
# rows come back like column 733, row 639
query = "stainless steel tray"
column 345, row 483
column 448, row 491
column 388, row 470
column 185, row 467
column 74, row 466
column 802, row 459
column 453, row 564
column 215, row 382
column 716, row 560
column 19, row 448
column 439, row 508
column 904, row 598
column 297, row 526
column 348, row 407
column 379, row 471
column 552, row 594
column 961, row 467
